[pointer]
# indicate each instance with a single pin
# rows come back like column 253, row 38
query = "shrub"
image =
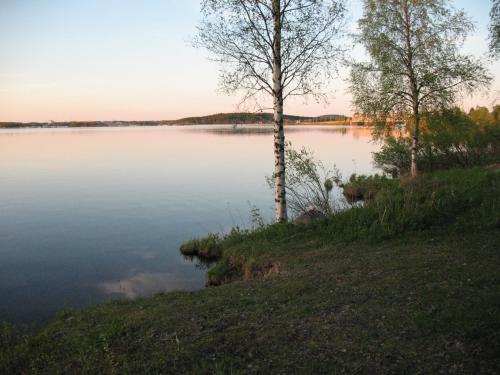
column 450, row 139
column 205, row 248
column 309, row 182
column 364, row 187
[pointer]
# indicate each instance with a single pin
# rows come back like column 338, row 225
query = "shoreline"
column 129, row 125
column 340, row 298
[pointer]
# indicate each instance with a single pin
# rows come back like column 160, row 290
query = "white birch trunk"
column 279, row 134
column 414, row 148
column 414, row 88
column 414, row 143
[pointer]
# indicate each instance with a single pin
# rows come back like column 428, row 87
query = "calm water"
column 87, row 215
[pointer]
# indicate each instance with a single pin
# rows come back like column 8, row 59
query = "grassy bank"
column 408, row 284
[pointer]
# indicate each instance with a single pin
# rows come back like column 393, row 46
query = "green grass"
column 455, row 199
column 207, row 248
column 423, row 297
column 364, row 187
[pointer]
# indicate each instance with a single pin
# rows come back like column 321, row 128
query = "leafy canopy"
column 495, row 29
column 239, row 35
column 415, row 58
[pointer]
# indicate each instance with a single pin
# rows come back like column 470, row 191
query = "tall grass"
column 457, row 200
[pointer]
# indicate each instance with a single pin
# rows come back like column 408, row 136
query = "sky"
column 77, row 60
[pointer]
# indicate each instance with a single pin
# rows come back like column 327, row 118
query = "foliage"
column 364, row 187
column 204, row 248
column 494, row 29
column 241, row 36
column 394, row 158
column 415, row 62
column 450, row 139
column 309, row 182
column 481, row 116
column 429, row 48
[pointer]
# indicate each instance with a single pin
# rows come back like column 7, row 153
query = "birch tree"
column 494, row 28
column 273, row 49
column 415, row 61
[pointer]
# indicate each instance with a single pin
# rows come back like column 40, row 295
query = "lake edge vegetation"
column 423, row 251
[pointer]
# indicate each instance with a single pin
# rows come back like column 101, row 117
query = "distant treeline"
column 232, row 118
column 220, row 118
column 251, row 118
column 328, row 118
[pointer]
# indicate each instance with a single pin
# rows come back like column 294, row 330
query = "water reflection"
column 143, row 285
column 235, row 130
column 200, row 263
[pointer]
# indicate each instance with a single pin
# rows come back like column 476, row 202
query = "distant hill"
column 329, row 118
column 250, row 118
column 232, row 118
column 219, row 118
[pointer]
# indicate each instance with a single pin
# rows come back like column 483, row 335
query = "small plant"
column 364, row 187
column 309, row 182
column 190, row 248
column 205, row 248
column 256, row 217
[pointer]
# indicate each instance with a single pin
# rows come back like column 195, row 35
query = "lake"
column 93, row 214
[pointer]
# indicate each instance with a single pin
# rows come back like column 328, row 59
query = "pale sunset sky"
column 68, row 60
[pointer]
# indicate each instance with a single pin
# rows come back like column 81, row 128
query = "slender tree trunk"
column 414, row 143
column 415, row 91
column 279, row 134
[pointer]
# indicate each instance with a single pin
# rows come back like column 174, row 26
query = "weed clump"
column 365, row 187
column 208, row 248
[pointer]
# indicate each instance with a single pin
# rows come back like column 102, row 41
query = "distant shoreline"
column 217, row 119
column 132, row 124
